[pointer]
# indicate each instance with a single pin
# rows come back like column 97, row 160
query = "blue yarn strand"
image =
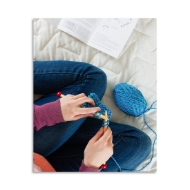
column 128, row 170
column 151, row 106
column 116, row 163
column 103, row 108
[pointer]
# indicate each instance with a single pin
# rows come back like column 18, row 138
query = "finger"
column 106, row 135
column 88, row 110
column 69, row 95
column 110, row 140
column 82, row 100
column 97, row 135
column 79, row 96
column 76, row 117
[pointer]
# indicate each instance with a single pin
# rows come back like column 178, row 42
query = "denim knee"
column 103, row 79
column 100, row 80
column 141, row 149
column 145, row 145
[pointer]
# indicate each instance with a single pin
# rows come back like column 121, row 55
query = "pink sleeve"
column 84, row 168
column 47, row 114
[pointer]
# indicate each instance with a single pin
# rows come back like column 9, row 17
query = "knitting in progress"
column 129, row 100
column 104, row 114
column 104, row 109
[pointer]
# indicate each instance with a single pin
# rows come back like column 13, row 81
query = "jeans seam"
column 137, row 151
column 118, row 141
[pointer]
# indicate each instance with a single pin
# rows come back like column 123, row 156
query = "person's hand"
column 71, row 107
column 99, row 149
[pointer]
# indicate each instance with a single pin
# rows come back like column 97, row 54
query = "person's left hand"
column 99, row 149
column 71, row 107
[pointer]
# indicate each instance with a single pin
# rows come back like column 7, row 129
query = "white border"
column 173, row 94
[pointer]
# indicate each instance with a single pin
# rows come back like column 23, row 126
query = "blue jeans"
column 63, row 144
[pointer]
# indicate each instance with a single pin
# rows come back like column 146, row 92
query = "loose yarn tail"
column 131, row 170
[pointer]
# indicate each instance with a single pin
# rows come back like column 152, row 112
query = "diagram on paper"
column 116, row 23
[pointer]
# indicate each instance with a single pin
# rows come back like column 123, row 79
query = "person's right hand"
column 71, row 107
column 99, row 149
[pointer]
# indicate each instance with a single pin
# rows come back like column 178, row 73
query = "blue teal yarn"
column 103, row 107
column 129, row 99
column 136, row 106
column 153, row 144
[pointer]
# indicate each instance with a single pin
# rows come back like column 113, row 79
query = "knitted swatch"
column 103, row 107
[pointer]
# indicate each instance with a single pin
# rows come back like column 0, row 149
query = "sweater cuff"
column 47, row 114
column 84, row 168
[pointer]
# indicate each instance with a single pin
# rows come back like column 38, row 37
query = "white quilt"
column 136, row 65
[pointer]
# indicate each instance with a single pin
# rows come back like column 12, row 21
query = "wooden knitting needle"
column 103, row 117
column 104, row 166
column 60, row 95
column 105, row 120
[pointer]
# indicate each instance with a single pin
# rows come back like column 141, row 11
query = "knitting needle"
column 105, row 120
column 60, row 95
column 105, row 117
column 104, row 166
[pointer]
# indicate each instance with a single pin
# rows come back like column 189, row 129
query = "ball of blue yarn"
column 129, row 99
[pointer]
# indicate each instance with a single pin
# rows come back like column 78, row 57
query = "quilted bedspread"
column 136, row 65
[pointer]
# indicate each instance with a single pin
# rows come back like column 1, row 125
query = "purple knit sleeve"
column 47, row 114
column 84, row 168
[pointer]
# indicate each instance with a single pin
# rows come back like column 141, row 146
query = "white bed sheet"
column 136, row 65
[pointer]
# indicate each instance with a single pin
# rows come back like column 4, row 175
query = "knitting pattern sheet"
column 108, row 35
column 112, row 34
column 81, row 28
